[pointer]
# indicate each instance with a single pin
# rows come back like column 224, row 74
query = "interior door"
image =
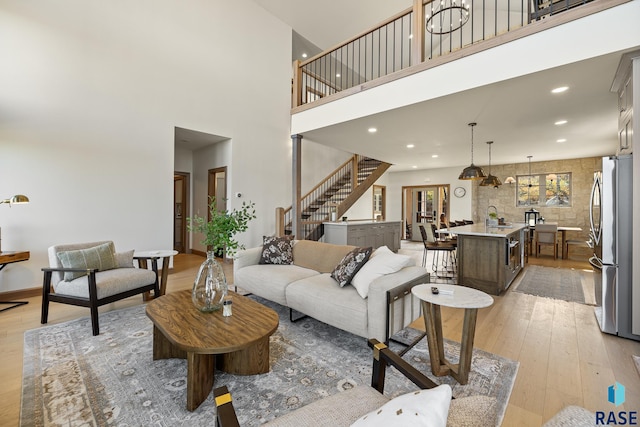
column 180, row 205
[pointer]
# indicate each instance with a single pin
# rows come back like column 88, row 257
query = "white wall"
column 90, row 95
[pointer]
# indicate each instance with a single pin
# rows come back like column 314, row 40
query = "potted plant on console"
column 210, row 285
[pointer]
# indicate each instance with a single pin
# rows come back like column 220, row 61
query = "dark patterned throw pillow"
column 277, row 250
column 350, row 264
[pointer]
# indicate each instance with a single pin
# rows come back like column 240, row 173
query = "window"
column 552, row 189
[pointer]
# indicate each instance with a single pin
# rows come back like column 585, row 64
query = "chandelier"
column 447, row 16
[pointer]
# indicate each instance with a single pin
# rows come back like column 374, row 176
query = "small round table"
column 461, row 297
column 154, row 256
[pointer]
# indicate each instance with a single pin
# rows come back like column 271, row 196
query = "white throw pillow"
column 428, row 408
column 381, row 262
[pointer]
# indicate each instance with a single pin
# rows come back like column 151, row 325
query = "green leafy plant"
column 220, row 230
column 493, row 215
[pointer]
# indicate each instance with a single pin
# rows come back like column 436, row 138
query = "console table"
column 8, row 258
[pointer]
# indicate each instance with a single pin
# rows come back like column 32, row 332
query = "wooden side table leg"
column 164, row 275
column 466, row 345
column 200, row 378
column 433, row 325
column 142, row 263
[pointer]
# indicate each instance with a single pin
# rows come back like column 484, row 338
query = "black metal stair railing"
column 329, row 196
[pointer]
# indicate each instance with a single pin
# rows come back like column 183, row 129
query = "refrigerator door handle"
column 596, row 229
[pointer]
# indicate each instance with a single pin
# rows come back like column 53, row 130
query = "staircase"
column 337, row 192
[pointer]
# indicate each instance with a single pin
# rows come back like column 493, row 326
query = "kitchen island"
column 364, row 233
column 490, row 258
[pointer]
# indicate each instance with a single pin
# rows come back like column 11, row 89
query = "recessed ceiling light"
column 373, row 130
column 414, row 166
column 561, row 140
column 434, row 156
column 410, row 145
column 304, row 55
column 560, row 89
column 410, row 36
column 560, row 122
column 338, row 75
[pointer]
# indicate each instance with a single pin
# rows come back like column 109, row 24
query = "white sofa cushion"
column 428, row 408
column 340, row 409
column 382, row 261
column 270, row 281
column 321, row 298
column 108, row 282
column 319, row 256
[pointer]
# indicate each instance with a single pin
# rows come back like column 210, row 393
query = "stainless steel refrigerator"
column 611, row 238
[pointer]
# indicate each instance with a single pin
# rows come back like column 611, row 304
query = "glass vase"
column 210, row 286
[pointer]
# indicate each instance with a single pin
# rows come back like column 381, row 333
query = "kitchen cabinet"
column 364, row 233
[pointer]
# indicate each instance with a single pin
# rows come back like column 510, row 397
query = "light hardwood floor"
column 564, row 358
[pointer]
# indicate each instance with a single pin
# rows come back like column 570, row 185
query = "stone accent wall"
column 504, row 197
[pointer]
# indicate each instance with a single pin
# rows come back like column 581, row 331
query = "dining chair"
column 546, row 235
column 431, row 243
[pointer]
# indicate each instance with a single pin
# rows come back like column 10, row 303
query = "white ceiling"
column 518, row 114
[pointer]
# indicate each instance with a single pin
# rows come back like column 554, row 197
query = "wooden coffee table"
column 238, row 344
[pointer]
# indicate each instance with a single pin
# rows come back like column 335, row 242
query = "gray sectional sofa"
column 306, row 286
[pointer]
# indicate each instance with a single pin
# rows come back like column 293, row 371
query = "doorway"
column 379, row 202
column 217, row 187
column 423, row 205
column 180, row 210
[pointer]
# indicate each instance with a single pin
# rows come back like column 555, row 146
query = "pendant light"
column 472, row 171
column 491, row 180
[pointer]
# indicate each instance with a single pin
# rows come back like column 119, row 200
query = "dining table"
column 563, row 237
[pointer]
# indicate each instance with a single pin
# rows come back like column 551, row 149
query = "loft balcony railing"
column 427, row 32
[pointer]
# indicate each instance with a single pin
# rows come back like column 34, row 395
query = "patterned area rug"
column 549, row 282
column 73, row 378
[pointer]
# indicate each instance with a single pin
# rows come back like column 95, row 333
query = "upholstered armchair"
column 344, row 408
column 92, row 275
